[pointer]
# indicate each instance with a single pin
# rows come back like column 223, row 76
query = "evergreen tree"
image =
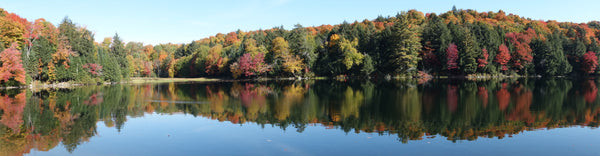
column 550, row 59
column 118, row 50
column 80, row 39
column 111, row 70
column 468, row 52
column 117, row 47
column 367, row 66
column 436, row 37
column 487, row 38
column 405, row 47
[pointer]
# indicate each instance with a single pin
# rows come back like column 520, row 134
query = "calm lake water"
column 437, row 117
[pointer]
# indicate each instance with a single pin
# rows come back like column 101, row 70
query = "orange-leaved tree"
column 62, row 54
column 12, row 67
column 214, row 62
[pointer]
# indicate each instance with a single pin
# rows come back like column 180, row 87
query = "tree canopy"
column 458, row 42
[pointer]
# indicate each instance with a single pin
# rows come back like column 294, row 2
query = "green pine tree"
column 405, row 47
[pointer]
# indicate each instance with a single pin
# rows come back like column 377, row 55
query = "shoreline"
column 143, row 80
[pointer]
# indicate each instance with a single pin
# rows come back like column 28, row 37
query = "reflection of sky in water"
column 180, row 134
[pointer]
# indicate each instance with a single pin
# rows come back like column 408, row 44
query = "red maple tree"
column 589, row 61
column 452, row 54
column 94, row 69
column 503, row 56
column 12, row 68
column 483, row 60
column 522, row 51
column 252, row 65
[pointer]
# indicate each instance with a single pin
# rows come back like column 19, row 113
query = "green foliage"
column 368, row 66
column 112, row 70
column 468, row 52
column 303, row 44
column 550, row 59
column 395, row 45
column 118, row 50
column 80, row 39
column 405, row 47
column 351, row 56
column 436, row 36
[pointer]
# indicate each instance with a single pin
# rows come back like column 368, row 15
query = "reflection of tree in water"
column 11, row 121
column 50, row 117
column 590, row 91
column 456, row 110
column 483, row 94
column 12, row 111
column 452, row 98
column 523, row 100
column 503, row 97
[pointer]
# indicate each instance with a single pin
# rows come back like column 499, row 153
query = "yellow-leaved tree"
column 291, row 63
column 351, row 55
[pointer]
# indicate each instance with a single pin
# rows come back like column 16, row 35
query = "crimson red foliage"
column 94, row 69
column 503, row 56
column 252, row 65
column 452, row 54
column 589, row 61
column 503, row 97
column 483, row 61
column 522, row 52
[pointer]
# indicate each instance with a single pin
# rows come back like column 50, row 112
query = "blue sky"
column 181, row 21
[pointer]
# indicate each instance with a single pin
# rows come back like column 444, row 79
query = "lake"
column 315, row 117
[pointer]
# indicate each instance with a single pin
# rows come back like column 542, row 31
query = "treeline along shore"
column 457, row 43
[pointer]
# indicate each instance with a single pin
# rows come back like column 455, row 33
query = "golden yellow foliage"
column 281, row 48
column 293, row 64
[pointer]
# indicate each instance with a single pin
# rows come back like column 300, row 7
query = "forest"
column 410, row 44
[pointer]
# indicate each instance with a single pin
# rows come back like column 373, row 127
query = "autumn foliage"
column 589, row 61
column 503, row 97
column 457, row 42
column 503, row 57
column 590, row 91
column 12, row 108
column 94, row 69
column 452, row 53
column 12, row 67
column 63, row 53
column 520, row 41
column 249, row 65
column 483, row 60
column 214, row 62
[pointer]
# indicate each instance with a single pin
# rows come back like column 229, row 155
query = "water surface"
column 438, row 117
